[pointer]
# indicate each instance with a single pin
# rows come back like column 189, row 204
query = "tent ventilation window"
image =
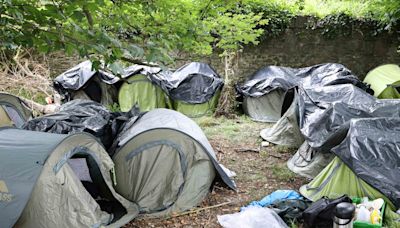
column 13, row 115
column 87, row 170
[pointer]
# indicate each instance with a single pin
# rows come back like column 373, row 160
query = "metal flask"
column 344, row 214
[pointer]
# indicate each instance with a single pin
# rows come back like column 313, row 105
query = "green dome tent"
column 139, row 90
column 165, row 163
column 337, row 179
column 53, row 180
column 13, row 112
column 330, row 182
column 385, row 81
column 194, row 89
column 198, row 110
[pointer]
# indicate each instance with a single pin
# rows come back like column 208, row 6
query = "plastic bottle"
column 375, row 216
column 363, row 214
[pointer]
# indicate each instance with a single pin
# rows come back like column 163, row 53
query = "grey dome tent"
column 13, row 112
column 165, row 163
column 263, row 93
column 53, row 180
column 81, row 82
column 139, row 89
column 193, row 88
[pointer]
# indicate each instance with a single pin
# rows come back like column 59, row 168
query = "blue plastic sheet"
column 277, row 195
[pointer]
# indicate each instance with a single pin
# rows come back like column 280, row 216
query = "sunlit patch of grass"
column 237, row 130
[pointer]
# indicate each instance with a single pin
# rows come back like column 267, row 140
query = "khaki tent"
column 139, row 90
column 385, row 81
column 194, row 89
column 266, row 108
column 165, row 163
column 54, row 180
column 13, row 111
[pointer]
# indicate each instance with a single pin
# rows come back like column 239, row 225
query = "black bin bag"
column 321, row 212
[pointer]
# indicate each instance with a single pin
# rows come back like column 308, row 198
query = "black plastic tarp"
column 193, row 83
column 77, row 77
column 372, row 150
column 83, row 116
column 271, row 78
column 325, row 112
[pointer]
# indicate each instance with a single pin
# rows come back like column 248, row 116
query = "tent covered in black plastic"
column 371, row 150
column 263, row 93
column 82, row 82
column 193, row 88
column 320, row 118
column 366, row 165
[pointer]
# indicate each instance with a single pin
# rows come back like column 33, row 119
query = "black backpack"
column 321, row 212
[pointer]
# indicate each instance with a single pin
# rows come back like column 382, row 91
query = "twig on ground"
column 247, row 150
column 200, row 209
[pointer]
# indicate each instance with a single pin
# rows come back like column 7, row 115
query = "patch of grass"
column 38, row 97
column 238, row 130
column 284, row 149
column 282, row 173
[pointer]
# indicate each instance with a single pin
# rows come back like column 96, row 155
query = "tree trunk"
column 226, row 103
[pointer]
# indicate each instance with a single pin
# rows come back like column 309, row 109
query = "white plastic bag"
column 252, row 217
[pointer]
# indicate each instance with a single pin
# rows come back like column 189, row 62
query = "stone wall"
column 300, row 46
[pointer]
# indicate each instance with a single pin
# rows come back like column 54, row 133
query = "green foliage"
column 114, row 107
column 134, row 31
column 232, row 30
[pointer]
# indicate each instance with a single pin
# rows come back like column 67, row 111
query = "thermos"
column 344, row 214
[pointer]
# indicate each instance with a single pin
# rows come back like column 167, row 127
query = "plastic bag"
column 252, row 216
column 83, row 116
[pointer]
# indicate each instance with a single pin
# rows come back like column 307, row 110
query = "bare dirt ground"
column 258, row 173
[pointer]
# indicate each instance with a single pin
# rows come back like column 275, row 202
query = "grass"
column 284, row 149
column 38, row 97
column 281, row 172
column 236, row 130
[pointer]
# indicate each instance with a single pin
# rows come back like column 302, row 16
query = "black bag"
column 321, row 212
